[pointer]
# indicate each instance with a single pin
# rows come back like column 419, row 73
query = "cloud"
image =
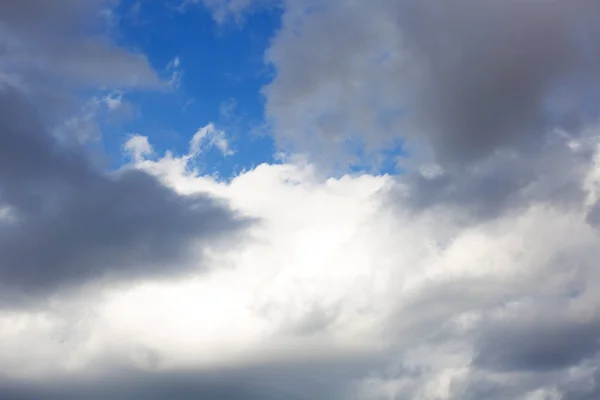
column 66, row 221
column 174, row 63
column 174, row 67
column 56, row 53
column 84, row 125
column 530, row 344
column 462, row 80
column 209, row 136
column 347, row 294
column 296, row 381
column 490, row 96
column 113, row 100
column 227, row 10
column 65, row 39
column 138, row 147
column 227, row 109
column 552, row 172
column 472, row 275
column 72, row 222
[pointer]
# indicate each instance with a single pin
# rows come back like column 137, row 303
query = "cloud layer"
column 347, row 294
column 473, row 275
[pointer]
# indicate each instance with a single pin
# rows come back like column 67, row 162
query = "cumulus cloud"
column 347, row 295
column 138, row 147
column 466, row 78
column 486, row 94
column 471, row 276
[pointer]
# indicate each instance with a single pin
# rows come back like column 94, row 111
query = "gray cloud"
column 466, row 78
column 322, row 378
column 507, row 336
column 588, row 389
column 66, row 40
column 551, row 173
column 594, row 215
column 535, row 345
column 478, row 88
column 66, row 221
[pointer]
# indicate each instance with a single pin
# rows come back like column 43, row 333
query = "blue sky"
column 220, row 75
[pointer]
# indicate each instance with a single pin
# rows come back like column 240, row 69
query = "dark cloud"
column 65, row 221
column 534, row 345
column 321, row 378
column 492, row 66
column 518, row 335
column 593, row 216
column 515, row 386
column 66, row 40
column 552, row 172
column 68, row 222
column 586, row 389
column 42, row 18
column 466, row 78
column 579, row 383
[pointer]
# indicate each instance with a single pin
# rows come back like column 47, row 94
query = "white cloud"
column 227, row 108
column 113, row 100
column 334, row 267
column 224, row 10
column 175, row 80
column 174, row 63
column 137, row 146
column 209, row 136
column 174, row 67
column 188, row 103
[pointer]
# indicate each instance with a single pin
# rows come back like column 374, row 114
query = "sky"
column 299, row 199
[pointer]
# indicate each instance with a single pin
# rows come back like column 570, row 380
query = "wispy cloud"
column 208, row 136
column 174, row 68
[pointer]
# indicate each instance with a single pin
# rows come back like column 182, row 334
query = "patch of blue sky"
column 216, row 73
column 383, row 159
column 381, row 162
